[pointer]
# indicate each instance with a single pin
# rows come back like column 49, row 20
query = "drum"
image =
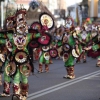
column 21, row 57
column 53, row 52
column 11, row 69
column 46, row 19
column 65, row 57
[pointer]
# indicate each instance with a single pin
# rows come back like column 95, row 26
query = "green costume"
column 44, row 59
column 84, row 39
column 69, row 60
column 18, row 49
column 17, row 65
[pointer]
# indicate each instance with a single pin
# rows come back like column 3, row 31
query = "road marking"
column 92, row 77
column 61, row 85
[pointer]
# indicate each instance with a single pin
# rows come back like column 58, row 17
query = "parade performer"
column 94, row 39
column 96, row 45
column 84, row 38
column 68, row 43
column 44, row 59
column 47, row 23
column 67, row 56
column 18, row 64
column 46, row 55
column 70, row 48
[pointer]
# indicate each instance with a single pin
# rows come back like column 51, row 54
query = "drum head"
column 45, row 48
column 10, row 69
column 25, row 69
column 74, row 53
column 53, row 53
column 46, row 19
column 20, row 57
column 45, row 39
column 65, row 57
column 66, row 47
column 36, row 26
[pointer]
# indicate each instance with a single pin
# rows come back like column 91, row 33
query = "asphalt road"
column 52, row 85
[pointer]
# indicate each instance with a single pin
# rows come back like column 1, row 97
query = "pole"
column 2, row 16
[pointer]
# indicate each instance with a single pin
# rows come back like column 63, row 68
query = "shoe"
column 23, row 97
column 71, row 77
column 65, row 76
column 40, row 71
column 4, row 95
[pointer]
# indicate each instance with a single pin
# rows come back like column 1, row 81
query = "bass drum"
column 45, row 48
column 66, row 47
column 46, row 19
column 25, row 69
column 11, row 69
column 65, row 56
column 46, row 56
column 21, row 57
column 34, row 44
column 53, row 53
column 74, row 53
column 45, row 39
column 36, row 26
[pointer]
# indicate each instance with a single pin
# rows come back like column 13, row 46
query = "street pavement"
column 52, row 85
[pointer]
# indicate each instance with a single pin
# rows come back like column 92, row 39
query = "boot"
column 46, row 68
column 71, row 73
column 24, row 91
column 40, row 68
column 16, row 91
column 98, row 63
column 6, row 91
